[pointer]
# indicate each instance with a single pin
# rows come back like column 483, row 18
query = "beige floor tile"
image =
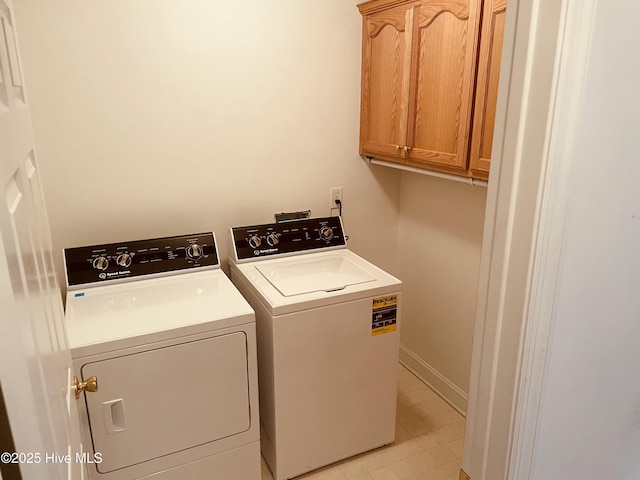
column 402, row 433
column 354, row 467
column 414, row 429
column 447, row 434
column 403, row 469
column 442, row 454
column 447, row 416
column 459, row 425
column 384, row 473
column 457, row 447
column 374, row 460
column 327, row 473
column 423, row 461
column 428, row 441
column 452, row 468
column 410, row 446
column 393, row 453
column 436, row 474
column 362, row 476
column 333, row 473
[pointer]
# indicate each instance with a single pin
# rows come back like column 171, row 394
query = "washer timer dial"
column 326, row 233
column 194, row 251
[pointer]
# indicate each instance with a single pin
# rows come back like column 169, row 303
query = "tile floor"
column 428, row 446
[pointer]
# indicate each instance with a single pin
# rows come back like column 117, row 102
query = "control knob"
column 272, row 239
column 124, row 260
column 255, row 241
column 326, row 233
column 194, row 251
column 100, row 263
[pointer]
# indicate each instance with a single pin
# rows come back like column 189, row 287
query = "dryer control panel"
column 120, row 261
column 287, row 238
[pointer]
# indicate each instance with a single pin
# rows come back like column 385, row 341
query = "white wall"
column 439, row 245
column 156, row 118
column 589, row 423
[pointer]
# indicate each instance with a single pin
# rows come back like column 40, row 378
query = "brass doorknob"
column 91, row 385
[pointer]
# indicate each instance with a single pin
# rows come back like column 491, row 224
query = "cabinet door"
column 487, row 86
column 385, row 82
column 441, row 90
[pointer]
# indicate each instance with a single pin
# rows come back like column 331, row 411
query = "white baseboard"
column 440, row 384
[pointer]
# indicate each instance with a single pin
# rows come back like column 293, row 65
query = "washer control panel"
column 119, row 261
column 291, row 237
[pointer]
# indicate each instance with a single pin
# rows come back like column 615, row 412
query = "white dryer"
column 172, row 344
column 328, row 341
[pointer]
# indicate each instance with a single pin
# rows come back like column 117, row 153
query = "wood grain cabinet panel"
column 419, row 66
column 441, row 94
column 385, row 82
column 487, row 86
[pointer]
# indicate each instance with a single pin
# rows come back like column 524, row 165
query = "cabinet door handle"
column 398, row 147
column 406, row 149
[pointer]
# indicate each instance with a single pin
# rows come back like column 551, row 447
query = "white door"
column 35, row 362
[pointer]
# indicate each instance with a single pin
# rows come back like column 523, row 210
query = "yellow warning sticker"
column 384, row 314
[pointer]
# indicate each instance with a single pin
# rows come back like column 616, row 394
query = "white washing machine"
column 172, row 344
column 328, row 340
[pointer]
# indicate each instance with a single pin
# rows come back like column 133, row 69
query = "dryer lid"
column 327, row 274
column 109, row 317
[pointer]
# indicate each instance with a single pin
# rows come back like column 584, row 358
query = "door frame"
column 545, row 55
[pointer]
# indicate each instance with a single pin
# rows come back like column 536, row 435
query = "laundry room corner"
column 439, row 246
column 153, row 119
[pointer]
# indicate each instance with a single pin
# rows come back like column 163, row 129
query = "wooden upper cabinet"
column 418, row 82
column 441, row 94
column 487, row 86
column 386, row 64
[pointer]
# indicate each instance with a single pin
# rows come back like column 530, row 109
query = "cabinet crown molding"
column 374, row 6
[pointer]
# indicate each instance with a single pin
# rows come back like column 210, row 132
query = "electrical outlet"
column 336, row 194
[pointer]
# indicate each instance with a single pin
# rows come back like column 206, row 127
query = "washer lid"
column 313, row 280
column 327, row 274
